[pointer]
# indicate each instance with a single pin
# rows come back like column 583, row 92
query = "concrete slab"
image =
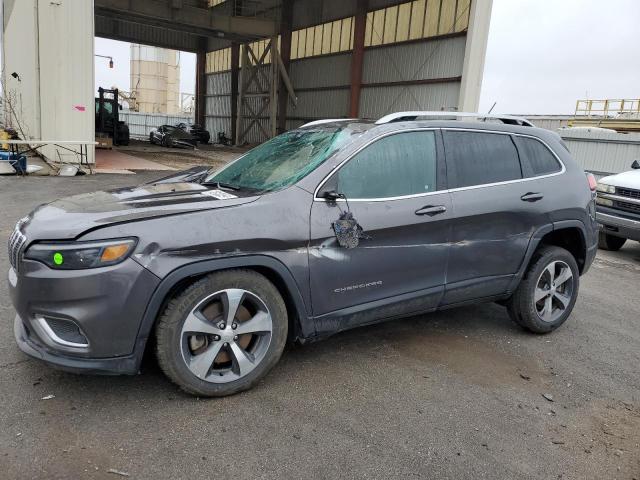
column 114, row 160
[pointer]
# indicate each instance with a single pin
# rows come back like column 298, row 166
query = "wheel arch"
column 300, row 323
column 568, row 234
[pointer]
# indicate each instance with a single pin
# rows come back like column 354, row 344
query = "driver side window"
column 394, row 166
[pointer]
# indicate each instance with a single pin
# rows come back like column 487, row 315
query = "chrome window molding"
column 563, row 169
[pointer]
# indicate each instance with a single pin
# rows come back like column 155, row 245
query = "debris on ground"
column 118, row 472
column 48, row 397
column 548, row 396
column 525, row 377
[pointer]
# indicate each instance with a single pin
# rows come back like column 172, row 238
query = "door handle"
column 531, row 197
column 431, row 210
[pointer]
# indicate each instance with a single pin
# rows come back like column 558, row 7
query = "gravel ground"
column 214, row 155
column 456, row 394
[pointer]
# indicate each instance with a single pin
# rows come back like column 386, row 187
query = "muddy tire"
column 222, row 334
column 610, row 242
column 547, row 294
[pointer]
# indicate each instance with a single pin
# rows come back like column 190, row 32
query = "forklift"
column 108, row 123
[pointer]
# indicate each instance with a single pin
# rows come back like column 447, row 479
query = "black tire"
column 610, row 242
column 151, row 140
column 169, row 330
column 165, row 141
column 522, row 307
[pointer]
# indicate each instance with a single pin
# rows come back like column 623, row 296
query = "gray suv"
column 335, row 225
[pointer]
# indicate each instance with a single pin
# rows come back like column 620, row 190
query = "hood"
column 69, row 217
column 630, row 179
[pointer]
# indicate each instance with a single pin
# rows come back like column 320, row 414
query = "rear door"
column 395, row 188
column 496, row 211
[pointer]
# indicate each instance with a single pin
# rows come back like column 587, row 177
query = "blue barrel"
column 19, row 163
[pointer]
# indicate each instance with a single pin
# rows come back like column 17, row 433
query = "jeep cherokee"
column 334, row 225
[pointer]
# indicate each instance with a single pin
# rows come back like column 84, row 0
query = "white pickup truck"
column 618, row 208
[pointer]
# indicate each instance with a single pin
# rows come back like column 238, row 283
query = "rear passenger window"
column 475, row 158
column 394, row 166
column 535, row 157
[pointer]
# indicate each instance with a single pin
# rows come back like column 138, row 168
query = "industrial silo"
column 155, row 79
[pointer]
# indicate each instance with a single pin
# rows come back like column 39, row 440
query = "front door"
column 394, row 188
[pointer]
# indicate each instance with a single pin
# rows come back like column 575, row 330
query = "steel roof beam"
column 186, row 16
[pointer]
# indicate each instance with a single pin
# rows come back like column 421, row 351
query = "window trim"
column 507, row 182
column 328, row 177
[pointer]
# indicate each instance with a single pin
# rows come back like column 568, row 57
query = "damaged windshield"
column 281, row 161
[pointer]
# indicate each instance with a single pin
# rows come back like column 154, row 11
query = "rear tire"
column 547, row 294
column 222, row 334
column 610, row 242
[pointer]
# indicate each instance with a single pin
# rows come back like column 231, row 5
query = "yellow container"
column 4, row 136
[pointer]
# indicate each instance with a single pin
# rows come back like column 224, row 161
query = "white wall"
column 50, row 45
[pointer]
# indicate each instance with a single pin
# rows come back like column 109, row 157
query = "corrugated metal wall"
column 416, row 75
column 601, row 152
column 218, row 104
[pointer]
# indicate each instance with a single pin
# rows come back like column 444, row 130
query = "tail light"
column 593, row 183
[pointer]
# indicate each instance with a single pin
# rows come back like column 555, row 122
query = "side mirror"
column 331, row 195
column 635, row 165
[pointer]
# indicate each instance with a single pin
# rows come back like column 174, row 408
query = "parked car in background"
column 334, row 225
column 618, row 208
column 170, row 136
column 196, row 130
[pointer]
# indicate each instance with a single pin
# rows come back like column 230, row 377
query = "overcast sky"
column 542, row 56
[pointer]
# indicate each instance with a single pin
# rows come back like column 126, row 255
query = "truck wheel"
column 222, row 334
column 546, row 295
column 151, row 140
column 609, row 242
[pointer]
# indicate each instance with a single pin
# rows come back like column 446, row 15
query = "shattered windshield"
column 281, row 161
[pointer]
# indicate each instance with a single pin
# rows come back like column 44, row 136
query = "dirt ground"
column 459, row 394
column 181, row 158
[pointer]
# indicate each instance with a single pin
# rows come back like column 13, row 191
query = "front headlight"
column 603, row 187
column 80, row 255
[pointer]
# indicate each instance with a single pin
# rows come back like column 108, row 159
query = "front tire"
column 222, row 334
column 547, row 294
column 610, row 242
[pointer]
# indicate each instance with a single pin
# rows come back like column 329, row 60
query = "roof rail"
column 408, row 116
column 329, row 120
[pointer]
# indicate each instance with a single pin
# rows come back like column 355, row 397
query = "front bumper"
column 618, row 224
column 127, row 365
column 106, row 304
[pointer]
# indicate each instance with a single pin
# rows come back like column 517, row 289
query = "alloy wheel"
column 226, row 335
column 554, row 291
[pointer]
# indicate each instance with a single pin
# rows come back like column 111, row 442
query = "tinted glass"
column 283, row 160
column 535, row 157
column 394, row 166
column 480, row 158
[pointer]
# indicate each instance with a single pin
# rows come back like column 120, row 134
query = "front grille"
column 16, row 244
column 628, row 192
column 631, row 207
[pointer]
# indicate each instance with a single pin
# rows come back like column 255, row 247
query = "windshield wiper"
column 220, row 185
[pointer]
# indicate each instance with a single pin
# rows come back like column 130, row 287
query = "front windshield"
column 281, row 161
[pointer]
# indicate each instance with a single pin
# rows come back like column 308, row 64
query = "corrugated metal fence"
column 141, row 124
column 603, row 152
